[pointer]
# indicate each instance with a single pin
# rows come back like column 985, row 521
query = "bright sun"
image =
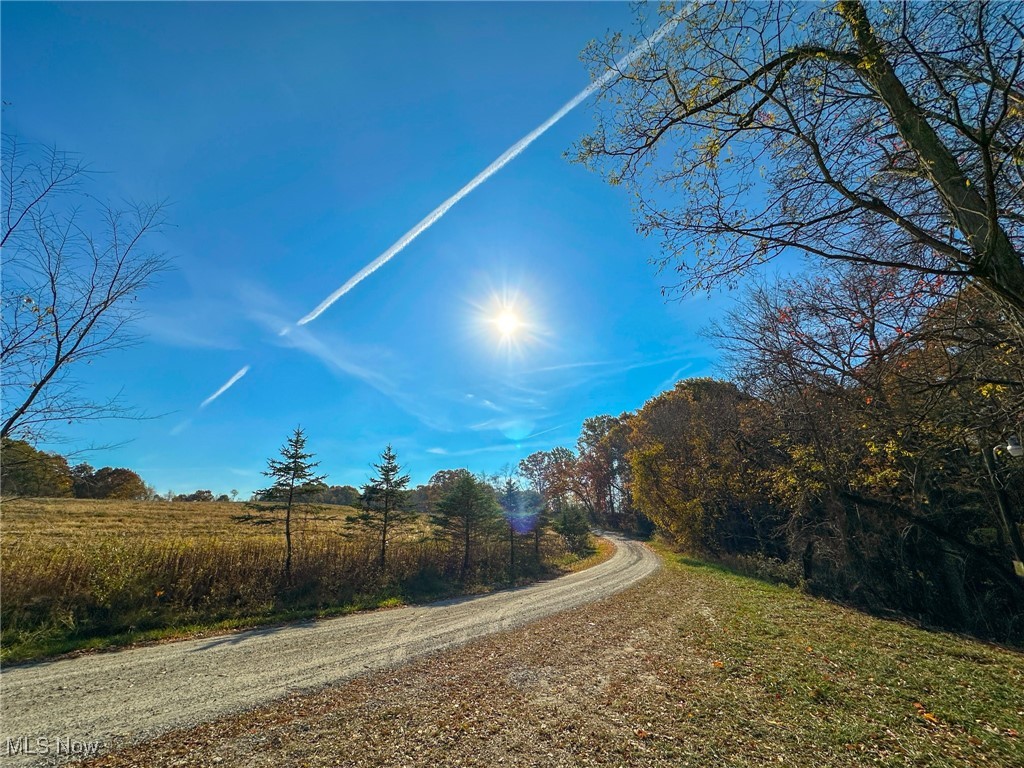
column 508, row 322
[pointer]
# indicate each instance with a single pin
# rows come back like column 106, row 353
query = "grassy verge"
column 48, row 645
column 694, row 667
column 797, row 670
column 601, row 550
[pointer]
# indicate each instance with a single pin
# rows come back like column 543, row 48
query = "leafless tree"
column 883, row 133
column 72, row 279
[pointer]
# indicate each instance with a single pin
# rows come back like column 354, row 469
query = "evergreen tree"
column 385, row 501
column 466, row 508
column 574, row 528
column 520, row 511
column 293, row 479
column 509, row 505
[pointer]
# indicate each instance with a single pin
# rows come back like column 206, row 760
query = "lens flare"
column 505, row 320
column 508, row 322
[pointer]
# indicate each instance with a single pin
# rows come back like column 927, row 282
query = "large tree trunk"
column 995, row 263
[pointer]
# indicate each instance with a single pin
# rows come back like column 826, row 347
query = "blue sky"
column 295, row 143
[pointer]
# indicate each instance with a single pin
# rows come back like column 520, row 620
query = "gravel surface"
column 134, row 695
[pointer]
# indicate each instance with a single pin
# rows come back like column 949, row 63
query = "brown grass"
column 55, row 521
column 603, row 549
column 83, row 574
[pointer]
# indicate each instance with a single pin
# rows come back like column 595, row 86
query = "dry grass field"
column 54, row 521
column 81, row 574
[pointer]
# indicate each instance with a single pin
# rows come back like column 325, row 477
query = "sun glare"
column 506, row 319
column 508, row 322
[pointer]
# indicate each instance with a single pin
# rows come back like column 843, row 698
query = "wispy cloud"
column 196, row 317
column 349, row 360
column 599, row 371
column 547, row 431
column 483, row 402
column 171, row 331
column 181, row 426
column 226, row 386
column 525, row 406
column 671, row 380
column 338, row 358
column 518, row 447
column 572, row 366
column 657, row 361
column 517, row 427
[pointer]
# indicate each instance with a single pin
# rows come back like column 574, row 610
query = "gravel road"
column 132, row 695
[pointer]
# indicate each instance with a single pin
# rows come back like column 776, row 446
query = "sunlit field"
column 474, row 296
column 94, row 573
column 49, row 521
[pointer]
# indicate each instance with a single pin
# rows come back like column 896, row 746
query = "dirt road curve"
column 135, row 694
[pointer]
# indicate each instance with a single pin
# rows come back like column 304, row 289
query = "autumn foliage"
column 860, row 449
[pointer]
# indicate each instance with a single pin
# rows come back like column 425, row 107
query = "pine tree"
column 293, row 479
column 467, row 508
column 511, row 498
column 384, row 501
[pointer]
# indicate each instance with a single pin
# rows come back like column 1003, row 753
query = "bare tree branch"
column 70, row 293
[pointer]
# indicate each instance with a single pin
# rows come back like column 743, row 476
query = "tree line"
column 454, row 534
column 26, row 471
column 867, row 446
column 456, row 506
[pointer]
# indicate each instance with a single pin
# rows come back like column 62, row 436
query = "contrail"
column 227, row 385
column 624, row 63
